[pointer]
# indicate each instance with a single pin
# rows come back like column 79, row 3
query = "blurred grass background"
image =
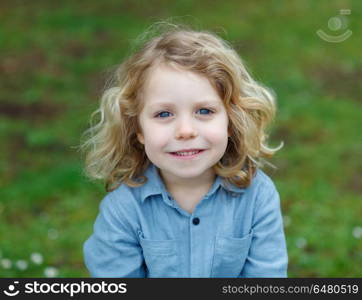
column 54, row 59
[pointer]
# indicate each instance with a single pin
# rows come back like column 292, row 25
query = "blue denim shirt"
column 232, row 232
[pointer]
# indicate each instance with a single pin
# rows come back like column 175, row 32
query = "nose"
column 185, row 129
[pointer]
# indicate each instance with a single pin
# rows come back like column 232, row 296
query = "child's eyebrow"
column 172, row 104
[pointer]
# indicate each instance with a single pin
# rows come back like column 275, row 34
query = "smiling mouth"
column 186, row 154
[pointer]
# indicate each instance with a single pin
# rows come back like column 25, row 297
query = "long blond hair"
column 112, row 150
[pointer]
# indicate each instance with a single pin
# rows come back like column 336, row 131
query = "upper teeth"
column 187, row 153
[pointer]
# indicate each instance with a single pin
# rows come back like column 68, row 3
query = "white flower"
column 357, row 232
column 36, row 258
column 6, row 263
column 51, row 272
column 21, row 264
column 301, row 242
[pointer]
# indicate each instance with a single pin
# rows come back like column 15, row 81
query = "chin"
column 187, row 174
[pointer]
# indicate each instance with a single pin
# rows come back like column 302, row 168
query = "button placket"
column 196, row 234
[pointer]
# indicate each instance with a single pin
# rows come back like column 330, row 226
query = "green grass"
column 54, row 61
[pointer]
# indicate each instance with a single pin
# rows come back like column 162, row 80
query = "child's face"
column 183, row 123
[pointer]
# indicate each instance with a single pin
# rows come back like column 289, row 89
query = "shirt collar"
column 155, row 185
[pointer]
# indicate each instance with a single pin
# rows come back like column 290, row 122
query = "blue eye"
column 161, row 114
column 207, row 110
column 165, row 114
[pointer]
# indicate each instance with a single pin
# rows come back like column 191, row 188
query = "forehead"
column 174, row 84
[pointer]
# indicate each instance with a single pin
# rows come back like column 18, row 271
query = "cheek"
column 217, row 137
column 156, row 136
column 153, row 135
column 218, row 132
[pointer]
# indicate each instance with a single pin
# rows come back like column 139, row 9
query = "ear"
column 140, row 138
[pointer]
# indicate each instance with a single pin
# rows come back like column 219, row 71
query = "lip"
column 186, row 157
column 187, row 150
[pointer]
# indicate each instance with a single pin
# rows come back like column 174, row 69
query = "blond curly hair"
column 113, row 152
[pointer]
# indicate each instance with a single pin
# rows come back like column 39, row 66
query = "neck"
column 202, row 183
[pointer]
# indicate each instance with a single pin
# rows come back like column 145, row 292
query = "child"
column 179, row 144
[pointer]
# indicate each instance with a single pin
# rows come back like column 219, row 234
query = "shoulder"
column 265, row 189
column 267, row 196
column 123, row 200
column 262, row 181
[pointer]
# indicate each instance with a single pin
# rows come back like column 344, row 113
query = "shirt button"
column 196, row 221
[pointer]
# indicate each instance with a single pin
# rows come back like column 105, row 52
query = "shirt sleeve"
column 113, row 249
column 268, row 252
